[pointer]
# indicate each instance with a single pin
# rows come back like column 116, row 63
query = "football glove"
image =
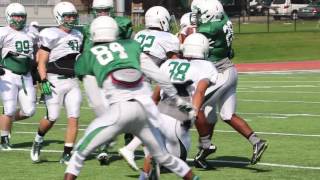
column 46, row 87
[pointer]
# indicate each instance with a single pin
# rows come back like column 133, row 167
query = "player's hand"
column 45, row 86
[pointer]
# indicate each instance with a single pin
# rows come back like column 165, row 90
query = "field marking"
column 287, row 92
column 191, row 160
column 281, row 72
column 221, row 131
column 245, row 81
column 280, row 114
column 273, row 101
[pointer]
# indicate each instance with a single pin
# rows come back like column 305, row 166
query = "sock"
column 253, row 139
column 133, row 145
column 5, row 133
column 40, row 133
column 38, row 138
column 205, row 142
column 67, row 148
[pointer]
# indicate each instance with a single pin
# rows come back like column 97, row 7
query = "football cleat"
column 5, row 143
column 103, row 158
column 258, row 150
column 129, row 157
column 65, row 158
column 200, row 159
column 35, row 152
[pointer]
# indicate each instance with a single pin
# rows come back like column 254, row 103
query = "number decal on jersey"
column 74, row 45
column 178, row 70
column 145, row 41
column 23, row 46
column 104, row 53
column 227, row 29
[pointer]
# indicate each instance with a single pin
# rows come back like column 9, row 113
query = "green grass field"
column 273, row 47
column 283, row 108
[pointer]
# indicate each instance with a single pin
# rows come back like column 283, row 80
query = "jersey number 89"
column 104, row 54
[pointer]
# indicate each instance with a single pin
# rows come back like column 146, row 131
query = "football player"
column 56, row 58
column 158, row 44
column 116, row 65
column 216, row 26
column 16, row 46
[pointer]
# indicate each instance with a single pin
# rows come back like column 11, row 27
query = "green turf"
column 287, row 104
column 273, row 47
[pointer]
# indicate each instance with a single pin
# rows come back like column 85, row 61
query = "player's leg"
column 9, row 94
column 27, row 99
column 99, row 104
column 227, row 113
column 117, row 119
column 72, row 103
column 165, row 159
column 53, row 106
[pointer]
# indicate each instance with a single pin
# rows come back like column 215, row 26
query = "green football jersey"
column 102, row 59
column 125, row 30
column 221, row 33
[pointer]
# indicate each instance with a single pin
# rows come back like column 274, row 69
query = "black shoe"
column 200, row 159
column 5, row 143
column 128, row 138
column 65, row 158
column 258, row 150
column 103, row 158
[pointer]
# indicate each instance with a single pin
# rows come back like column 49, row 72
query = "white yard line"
column 276, row 101
column 191, row 160
column 286, row 92
column 220, row 131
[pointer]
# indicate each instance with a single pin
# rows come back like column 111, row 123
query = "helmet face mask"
column 158, row 17
column 102, row 8
column 66, row 14
column 16, row 16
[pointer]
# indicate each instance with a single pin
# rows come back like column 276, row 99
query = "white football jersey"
column 34, row 33
column 60, row 43
column 157, row 43
column 182, row 70
column 15, row 41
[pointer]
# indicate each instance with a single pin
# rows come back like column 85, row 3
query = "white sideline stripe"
column 191, row 160
column 273, row 101
column 221, row 131
column 279, row 114
column 287, row 92
column 281, row 72
column 245, row 81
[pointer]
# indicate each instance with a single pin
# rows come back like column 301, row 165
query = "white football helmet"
column 101, row 5
column 185, row 20
column 16, row 9
column 208, row 10
column 104, row 29
column 65, row 8
column 196, row 46
column 158, row 17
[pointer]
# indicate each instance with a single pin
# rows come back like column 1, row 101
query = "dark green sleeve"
column 84, row 64
column 87, row 44
column 208, row 29
column 125, row 27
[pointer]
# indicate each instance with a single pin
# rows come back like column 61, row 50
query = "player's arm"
column 198, row 96
column 42, row 60
column 156, row 94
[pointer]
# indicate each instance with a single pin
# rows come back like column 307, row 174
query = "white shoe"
column 129, row 157
column 35, row 152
